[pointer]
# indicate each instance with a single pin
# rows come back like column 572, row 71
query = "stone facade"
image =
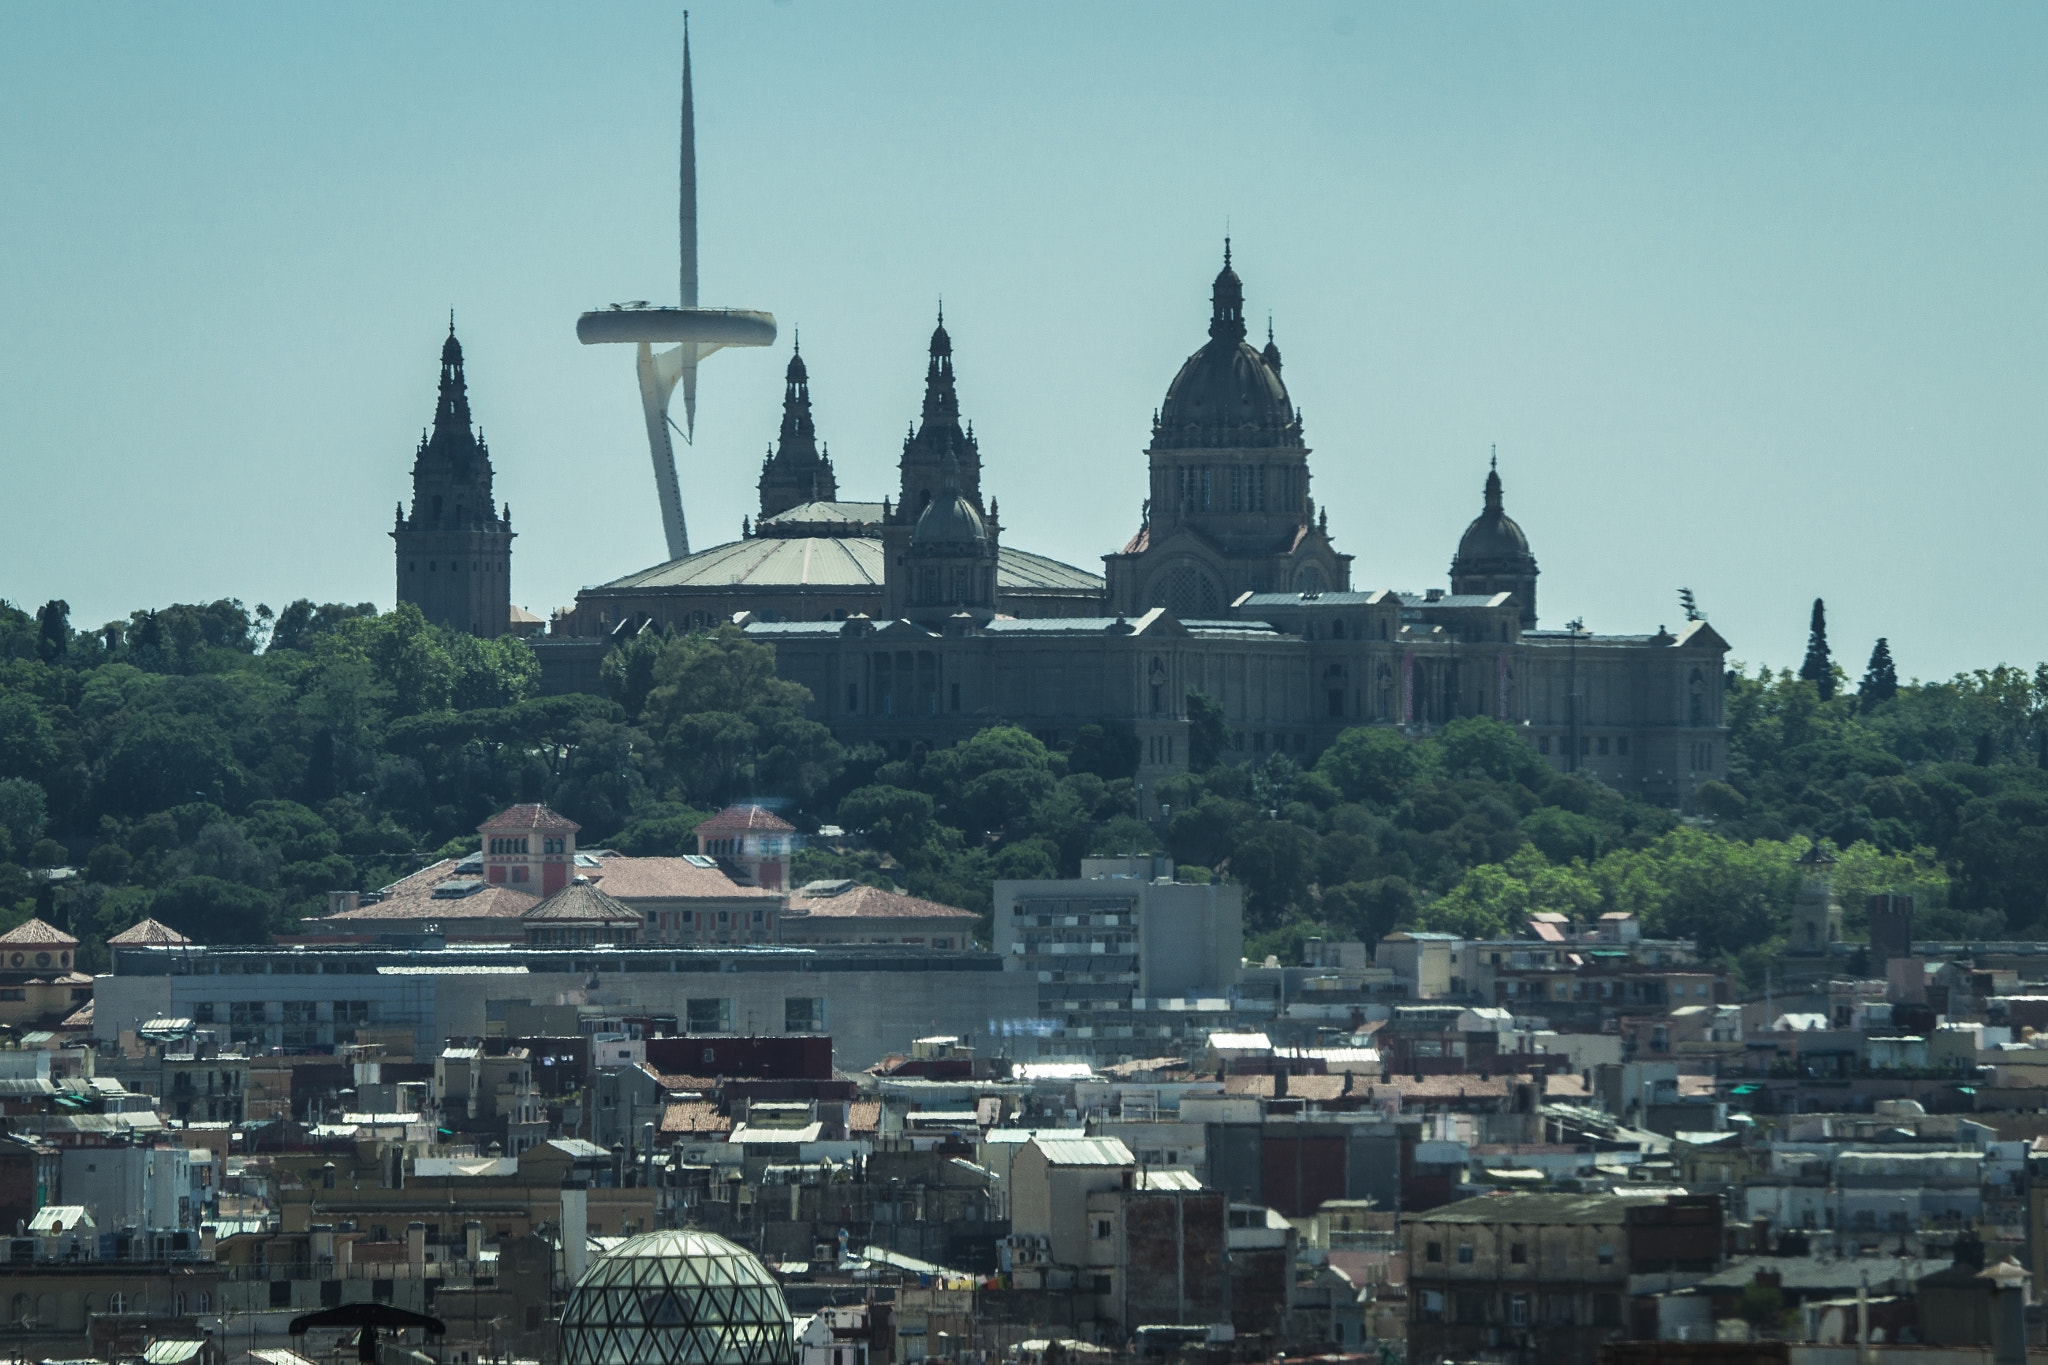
column 1232, row 587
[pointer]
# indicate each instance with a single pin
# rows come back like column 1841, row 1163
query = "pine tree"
column 1880, row 680
column 1819, row 668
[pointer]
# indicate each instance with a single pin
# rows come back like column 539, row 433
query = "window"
column 803, row 1014
column 1603, row 746
column 1543, row 744
column 956, row 696
column 1518, row 1310
column 1103, row 1227
column 708, row 1016
column 1518, row 1253
column 1606, row 1253
column 519, row 873
column 1464, row 1253
column 1471, row 1308
column 853, row 696
column 1432, row 1306
column 1433, row 1251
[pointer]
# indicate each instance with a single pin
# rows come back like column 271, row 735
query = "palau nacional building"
column 913, row 620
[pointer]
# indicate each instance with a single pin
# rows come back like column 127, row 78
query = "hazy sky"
column 1751, row 298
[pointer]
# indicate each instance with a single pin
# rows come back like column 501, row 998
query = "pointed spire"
column 1493, row 498
column 1271, row 355
column 451, row 413
column 941, row 401
column 799, row 435
column 1226, row 298
column 687, row 208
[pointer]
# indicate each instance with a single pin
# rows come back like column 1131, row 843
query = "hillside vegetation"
column 223, row 769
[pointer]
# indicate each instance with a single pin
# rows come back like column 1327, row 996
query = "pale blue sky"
column 1751, row 297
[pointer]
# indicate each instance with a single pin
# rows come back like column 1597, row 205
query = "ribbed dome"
column 1227, row 394
column 676, row 1298
column 950, row 520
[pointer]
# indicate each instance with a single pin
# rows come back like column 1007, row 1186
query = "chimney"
column 575, row 1230
column 416, row 1249
column 339, row 902
column 473, row 1242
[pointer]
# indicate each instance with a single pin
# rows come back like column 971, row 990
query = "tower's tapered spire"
column 697, row 332
column 689, row 178
column 451, row 414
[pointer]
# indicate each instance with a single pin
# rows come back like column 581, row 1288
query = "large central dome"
column 676, row 1298
column 1227, row 395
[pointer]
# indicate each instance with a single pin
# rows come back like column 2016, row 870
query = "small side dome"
column 950, row 520
column 1493, row 534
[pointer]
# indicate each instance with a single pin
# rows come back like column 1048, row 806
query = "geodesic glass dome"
column 676, row 1298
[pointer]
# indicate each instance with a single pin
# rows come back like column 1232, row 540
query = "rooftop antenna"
column 697, row 331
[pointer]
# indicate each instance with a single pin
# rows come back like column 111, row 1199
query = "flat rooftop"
column 370, row 960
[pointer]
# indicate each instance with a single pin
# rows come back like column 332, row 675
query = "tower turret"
column 454, row 550
column 938, row 430
column 1493, row 554
column 795, row 472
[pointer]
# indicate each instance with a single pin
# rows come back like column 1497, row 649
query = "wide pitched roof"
column 685, row 878
column 147, row 931
column 529, row 815
column 744, row 818
column 413, row 898
column 855, row 900
column 844, row 561
column 34, row 931
column 582, row 903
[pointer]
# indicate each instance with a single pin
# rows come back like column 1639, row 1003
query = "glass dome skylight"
column 676, row 1298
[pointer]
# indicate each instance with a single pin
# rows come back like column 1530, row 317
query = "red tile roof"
column 655, row 879
column 413, row 898
column 745, row 819
column 36, row 932
column 864, row 1116
column 694, row 1116
column 872, row 902
column 528, row 816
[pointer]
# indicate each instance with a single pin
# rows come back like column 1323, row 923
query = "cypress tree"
column 1819, row 668
column 1880, row 680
